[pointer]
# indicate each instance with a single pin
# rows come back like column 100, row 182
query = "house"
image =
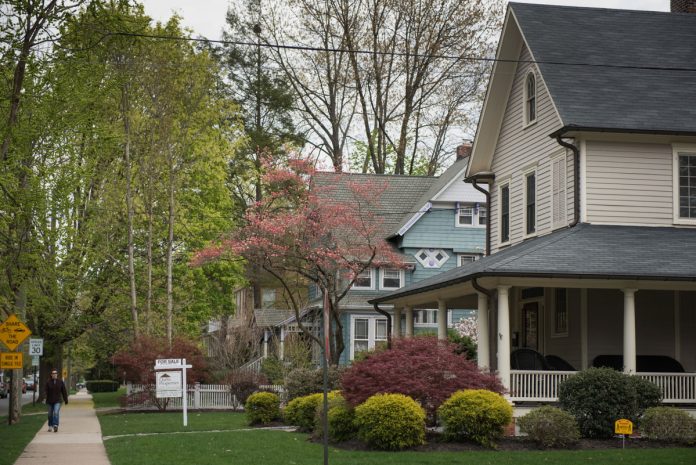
column 587, row 147
column 434, row 223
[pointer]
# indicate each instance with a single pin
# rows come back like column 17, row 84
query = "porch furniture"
column 557, row 363
column 527, row 359
column 644, row 363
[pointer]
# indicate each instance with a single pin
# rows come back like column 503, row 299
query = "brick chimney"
column 682, row 6
column 464, row 150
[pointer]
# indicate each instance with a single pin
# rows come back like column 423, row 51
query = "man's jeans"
column 53, row 414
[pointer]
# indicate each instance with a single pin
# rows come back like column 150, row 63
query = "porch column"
column 629, row 331
column 265, row 344
column 441, row 319
column 504, row 336
column 396, row 330
column 409, row 321
column 281, row 354
column 482, row 330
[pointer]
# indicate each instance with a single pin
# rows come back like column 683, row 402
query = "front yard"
column 223, row 438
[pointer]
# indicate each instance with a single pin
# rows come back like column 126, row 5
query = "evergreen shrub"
column 262, row 408
column 391, row 422
column 668, row 424
column 550, row 427
column 304, row 381
column 102, row 385
column 300, row 411
column 341, row 419
column 475, row 414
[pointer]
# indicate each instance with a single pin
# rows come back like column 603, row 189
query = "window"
column 530, row 99
column 482, row 216
column 560, row 313
column 391, row 278
column 268, row 298
column 367, row 332
column 558, row 192
column 687, row 186
column 471, row 215
column 466, row 216
column 432, row 258
column 364, row 280
column 530, row 203
column 425, row 317
column 505, row 213
column 464, row 258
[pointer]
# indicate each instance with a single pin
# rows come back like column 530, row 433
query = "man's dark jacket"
column 55, row 388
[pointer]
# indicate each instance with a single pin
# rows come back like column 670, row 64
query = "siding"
column 460, row 191
column 437, row 229
column 517, row 148
column 629, row 183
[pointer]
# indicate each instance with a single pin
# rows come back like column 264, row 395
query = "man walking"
column 55, row 389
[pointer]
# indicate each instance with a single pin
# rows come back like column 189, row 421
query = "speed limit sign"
column 36, row 346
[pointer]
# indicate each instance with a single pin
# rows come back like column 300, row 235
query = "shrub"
column 341, row 420
column 300, row 411
column 262, row 408
column 243, row 383
column 647, row 394
column 668, row 424
column 465, row 345
column 102, row 385
column 550, row 427
column 423, row 368
column 303, row 381
column 475, row 414
column 272, row 369
column 597, row 397
column 391, row 422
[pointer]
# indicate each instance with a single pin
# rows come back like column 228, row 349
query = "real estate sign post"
column 172, row 382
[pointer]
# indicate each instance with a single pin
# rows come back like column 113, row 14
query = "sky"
column 207, row 17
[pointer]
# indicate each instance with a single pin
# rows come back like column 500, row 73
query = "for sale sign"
column 168, row 384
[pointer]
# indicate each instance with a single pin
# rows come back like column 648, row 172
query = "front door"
column 530, row 325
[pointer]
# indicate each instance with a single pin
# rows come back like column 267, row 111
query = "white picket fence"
column 199, row 397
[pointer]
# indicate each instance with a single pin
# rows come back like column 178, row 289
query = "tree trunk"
column 170, row 250
column 129, row 205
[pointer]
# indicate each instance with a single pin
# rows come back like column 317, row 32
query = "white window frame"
column 371, row 287
column 381, row 278
column 525, row 112
column 677, row 149
column 525, row 175
column 431, row 253
column 501, row 186
column 372, row 339
column 475, row 212
column 468, row 255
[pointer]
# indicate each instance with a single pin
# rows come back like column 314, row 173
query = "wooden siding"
column 519, row 148
column 460, row 191
column 437, row 230
column 629, row 183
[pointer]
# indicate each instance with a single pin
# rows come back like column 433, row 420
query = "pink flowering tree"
column 301, row 234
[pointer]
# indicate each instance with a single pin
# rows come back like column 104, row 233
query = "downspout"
column 481, row 289
column 486, row 193
column 389, row 318
column 576, row 178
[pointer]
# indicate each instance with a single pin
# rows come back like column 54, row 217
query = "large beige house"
column 586, row 146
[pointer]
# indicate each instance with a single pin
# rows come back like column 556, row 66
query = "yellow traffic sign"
column 623, row 426
column 11, row 360
column 13, row 332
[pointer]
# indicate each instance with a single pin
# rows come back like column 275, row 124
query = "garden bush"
column 341, row 419
column 550, row 427
column 243, row 383
column 668, row 424
column 102, row 385
column 262, row 408
column 303, row 381
column 272, row 369
column 647, row 394
column 597, row 397
column 300, row 411
column 423, row 368
column 390, row 422
column 475, row 414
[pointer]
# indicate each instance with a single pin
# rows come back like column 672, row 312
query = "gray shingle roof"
column 270, row 317
column 585, row 251
column 658, row 99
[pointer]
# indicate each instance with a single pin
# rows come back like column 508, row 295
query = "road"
column 4, row 403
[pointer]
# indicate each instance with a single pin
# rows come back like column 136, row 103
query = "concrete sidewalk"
column 78, row 440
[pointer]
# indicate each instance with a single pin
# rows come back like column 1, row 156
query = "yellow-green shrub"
column 391, row 421
column 300, row 411
column 262, row 408
column 475, row 414
column 341, row 419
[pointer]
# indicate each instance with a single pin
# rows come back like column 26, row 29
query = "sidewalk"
column 77, row 441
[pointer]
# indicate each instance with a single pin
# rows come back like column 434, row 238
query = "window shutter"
column 558, row 176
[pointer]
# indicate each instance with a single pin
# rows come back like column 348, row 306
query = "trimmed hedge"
column 102, row 385
column 262, row 408
column 550, row 427
column 301, row 410
column 341, row 419
column 391, row 422
column 668, row 424
column 475, row 414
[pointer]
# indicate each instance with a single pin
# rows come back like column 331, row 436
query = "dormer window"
column 530, row 99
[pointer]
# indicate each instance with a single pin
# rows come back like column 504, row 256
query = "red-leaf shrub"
column 423, row 368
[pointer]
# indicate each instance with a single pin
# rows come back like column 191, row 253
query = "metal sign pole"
column 184, row 391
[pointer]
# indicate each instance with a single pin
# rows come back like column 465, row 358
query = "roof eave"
column 572, row 128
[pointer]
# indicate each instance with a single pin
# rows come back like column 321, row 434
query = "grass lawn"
column 108, row 399
column 281, row 448
column 13, row 439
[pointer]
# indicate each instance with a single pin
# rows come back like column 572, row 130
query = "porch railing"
column 542, row 386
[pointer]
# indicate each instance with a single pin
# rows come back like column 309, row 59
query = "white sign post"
column 168, row 381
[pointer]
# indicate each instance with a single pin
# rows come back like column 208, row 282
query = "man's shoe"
column 50, row 429
column 55, row 429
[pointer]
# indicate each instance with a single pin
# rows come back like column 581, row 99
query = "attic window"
column 432, row 258
column 530, row 99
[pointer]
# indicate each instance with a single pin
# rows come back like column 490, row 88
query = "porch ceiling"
column 590, row 256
